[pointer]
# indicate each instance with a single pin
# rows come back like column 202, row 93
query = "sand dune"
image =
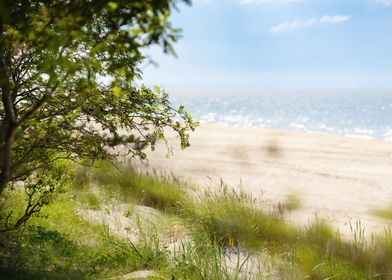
column 339, row 179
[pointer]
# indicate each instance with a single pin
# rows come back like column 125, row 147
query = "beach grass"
column 384, row 213
column 60, row 244
column 292, row 202
column 235, row 219
column 125, row 184
column 222, row 231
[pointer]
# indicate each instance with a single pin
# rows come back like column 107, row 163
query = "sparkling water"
column 357, row 113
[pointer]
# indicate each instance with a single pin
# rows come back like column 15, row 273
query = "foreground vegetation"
column 216, row 234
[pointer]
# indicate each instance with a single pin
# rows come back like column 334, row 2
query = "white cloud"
column 248, row 2
column 334, row 19
column 290, row 25
column 386, row 3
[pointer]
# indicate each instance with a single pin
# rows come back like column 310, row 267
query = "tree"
column 68, row 83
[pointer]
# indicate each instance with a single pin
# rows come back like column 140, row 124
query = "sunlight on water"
column 365, row 114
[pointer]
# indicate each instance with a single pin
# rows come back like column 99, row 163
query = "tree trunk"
column 9, row 122
column 6, row 158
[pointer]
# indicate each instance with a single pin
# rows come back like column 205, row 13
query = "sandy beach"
column 338, row 179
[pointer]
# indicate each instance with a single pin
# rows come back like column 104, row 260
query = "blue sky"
column 279, row 44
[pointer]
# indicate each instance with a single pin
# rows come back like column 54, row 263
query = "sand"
column 338, row 179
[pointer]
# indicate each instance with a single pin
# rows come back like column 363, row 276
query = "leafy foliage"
column 68, row 83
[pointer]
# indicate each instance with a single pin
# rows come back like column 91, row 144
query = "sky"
column 278, row 44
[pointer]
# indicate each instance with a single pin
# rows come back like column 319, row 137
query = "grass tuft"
column 90, row 200
column 292, row 202
column 384, row 213
column 127, row 185
column 235, row 219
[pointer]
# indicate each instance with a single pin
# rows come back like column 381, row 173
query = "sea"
column 356, row 113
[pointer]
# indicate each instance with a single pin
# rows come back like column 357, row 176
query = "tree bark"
column 10, row 122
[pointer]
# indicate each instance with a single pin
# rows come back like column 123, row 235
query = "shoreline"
column 306, row 131
column 339, row 179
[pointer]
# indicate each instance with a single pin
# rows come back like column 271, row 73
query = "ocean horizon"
column 355, row 113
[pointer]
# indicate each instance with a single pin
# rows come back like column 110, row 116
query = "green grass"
column 385, row 213
column 90, row 200
column 125, row 184
column 234, row 219
column 59, row 244
column 202, row 258
column 292, row 202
